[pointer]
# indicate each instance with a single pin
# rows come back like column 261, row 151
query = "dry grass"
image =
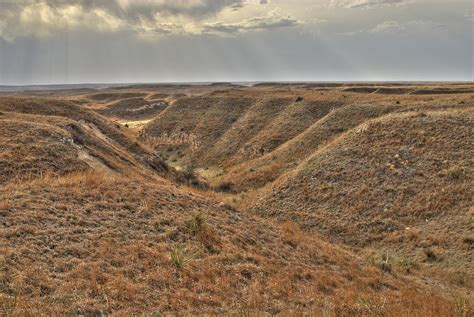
column 403, row 183
column 106, row 255
column 364, row 206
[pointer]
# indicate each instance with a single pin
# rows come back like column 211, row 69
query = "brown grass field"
column 344, row 199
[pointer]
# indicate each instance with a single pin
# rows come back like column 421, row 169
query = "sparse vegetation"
column 336, row 201
column 182, row 257
column 196, row 223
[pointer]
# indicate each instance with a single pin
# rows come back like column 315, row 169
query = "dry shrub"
column 430, row 254
column 196, row 223
column 182, row 257
column 145, row 205
column 469, row 240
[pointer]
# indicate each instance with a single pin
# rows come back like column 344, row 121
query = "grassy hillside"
column 249, row 138
column 331, row 124
column 40, row 136
column 32, row 145
column 95, row 244
column 332, row 199
column 401, row 182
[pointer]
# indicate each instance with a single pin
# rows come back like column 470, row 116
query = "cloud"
column 415, row 25
column 46, row 17
column 189, row 8
column 42, row 19
column 388, row 26
column 132, row 9
column 273, row 20
column 367, row 3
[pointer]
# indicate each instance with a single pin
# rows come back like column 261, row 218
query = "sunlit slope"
column 45, row 136
column 96, row 243
column 332, row 123
column 403, row 181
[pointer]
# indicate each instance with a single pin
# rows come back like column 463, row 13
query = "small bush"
column 386, row 263
column 196, row 223
column 182, row 257
column 188, row 173
column 189, row 177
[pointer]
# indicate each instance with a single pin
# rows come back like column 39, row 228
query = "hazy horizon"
column 158, row 41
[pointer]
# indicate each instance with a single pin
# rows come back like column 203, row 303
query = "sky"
column 137, row 41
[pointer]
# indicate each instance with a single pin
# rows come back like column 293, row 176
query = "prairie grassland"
column 290, row 200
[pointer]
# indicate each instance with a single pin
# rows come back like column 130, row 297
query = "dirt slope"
column 193, row 125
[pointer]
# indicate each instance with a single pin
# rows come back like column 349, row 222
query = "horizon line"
column 231, row 82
